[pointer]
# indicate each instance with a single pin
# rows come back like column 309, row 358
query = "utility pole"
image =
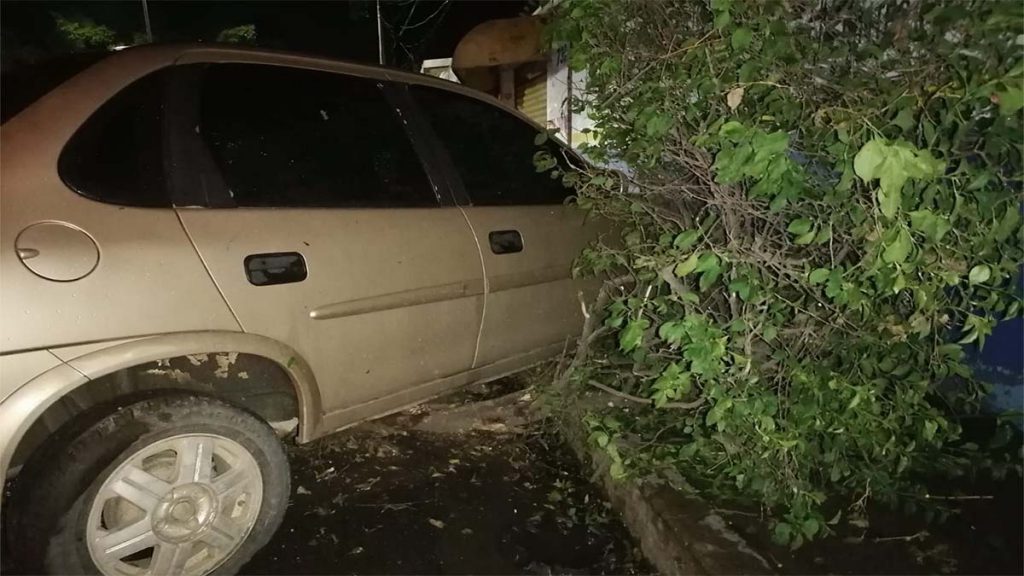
column 145, row 15
column 380, row 38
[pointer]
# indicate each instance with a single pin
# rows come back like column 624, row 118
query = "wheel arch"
column 89, row 363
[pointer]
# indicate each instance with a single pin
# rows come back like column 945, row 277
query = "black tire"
column 53, row 494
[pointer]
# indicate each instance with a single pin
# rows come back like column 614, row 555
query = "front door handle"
column 506, row 241
column 275, row 268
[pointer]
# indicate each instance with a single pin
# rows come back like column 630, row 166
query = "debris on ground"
column 471, row 483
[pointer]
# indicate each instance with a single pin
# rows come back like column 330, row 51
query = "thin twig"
column 641, row 400
column 909, row 538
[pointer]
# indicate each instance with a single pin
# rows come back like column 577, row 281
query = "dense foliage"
column 822, row 212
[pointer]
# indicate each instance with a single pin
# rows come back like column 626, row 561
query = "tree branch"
column 641, row 400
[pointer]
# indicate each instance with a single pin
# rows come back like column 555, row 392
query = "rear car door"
column 332, row 238
column 90, row 247
column 528, row 229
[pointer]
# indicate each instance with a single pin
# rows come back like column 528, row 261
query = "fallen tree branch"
column 589, row 332
column 650, row 402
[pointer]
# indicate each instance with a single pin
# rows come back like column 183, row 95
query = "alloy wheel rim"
column 181, row 505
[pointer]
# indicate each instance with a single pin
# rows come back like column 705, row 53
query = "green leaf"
column 722, row 19
column 799, row 227
column 920, row 163
column 782, row 533
column 658, row 124
column 971, row 336
column 1009, row 224
column 687, row 266
column 930, row 427
column 818, row 276
column 805, row 238
column 732, row 129
column 672, row 332
column 741, row 38
column 905, row 119
column 1010, row 100
column 933, row 227
column 540, row 138
column 685, row 240
column 633, row 334
column 708, row 262
column 741, row 288
column 889, row 201
column 708, row 278
column 617, row 471
column 810, row 527
column 868, row 159
column 777, row 203
column 899, row 249
column 979, row 274
column 891, row 180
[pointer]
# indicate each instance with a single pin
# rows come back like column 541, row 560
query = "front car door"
column 333, row 238
column 528, row 229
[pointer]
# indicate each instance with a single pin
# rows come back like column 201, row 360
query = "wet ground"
column 490, row 494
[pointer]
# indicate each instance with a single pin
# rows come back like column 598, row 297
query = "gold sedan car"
column 205, row 249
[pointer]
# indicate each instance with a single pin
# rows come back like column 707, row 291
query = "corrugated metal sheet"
column 532, row 99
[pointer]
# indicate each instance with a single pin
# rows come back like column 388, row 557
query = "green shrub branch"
column 823, row 208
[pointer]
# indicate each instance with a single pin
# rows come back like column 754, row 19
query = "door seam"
column 487, row 286
column 209, row 273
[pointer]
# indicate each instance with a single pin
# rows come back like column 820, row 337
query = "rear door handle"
column 506, row 241
column 275, row 268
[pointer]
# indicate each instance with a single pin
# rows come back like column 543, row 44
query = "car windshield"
column 24, row 84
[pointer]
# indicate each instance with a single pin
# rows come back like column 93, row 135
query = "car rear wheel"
column 177, row 484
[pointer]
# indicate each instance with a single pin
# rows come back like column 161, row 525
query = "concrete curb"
column 678, row 533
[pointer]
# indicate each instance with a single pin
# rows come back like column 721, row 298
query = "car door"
column 333, row 240
column 528, row 230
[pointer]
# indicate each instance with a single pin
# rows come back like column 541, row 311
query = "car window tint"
column 492, row 150
column 116, row 156
column 295, row 137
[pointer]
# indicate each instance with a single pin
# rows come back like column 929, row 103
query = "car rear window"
column 116, row 156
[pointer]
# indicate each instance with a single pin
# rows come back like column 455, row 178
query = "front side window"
column 492, row 150
column 305, row 138
column 116, row 155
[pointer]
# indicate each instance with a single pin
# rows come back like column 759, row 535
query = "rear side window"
column 116, row 156
column 492, row 150
column 305, row 138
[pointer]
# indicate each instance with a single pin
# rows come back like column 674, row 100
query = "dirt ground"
column 984, row 534
column 453, row 487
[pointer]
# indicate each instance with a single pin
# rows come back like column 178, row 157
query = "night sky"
column 413, row 29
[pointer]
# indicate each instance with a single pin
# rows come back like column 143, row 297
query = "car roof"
column 214, row 52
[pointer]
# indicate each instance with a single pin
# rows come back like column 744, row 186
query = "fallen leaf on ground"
column 435, row 523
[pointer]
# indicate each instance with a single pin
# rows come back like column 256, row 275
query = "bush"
column 823, row 210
